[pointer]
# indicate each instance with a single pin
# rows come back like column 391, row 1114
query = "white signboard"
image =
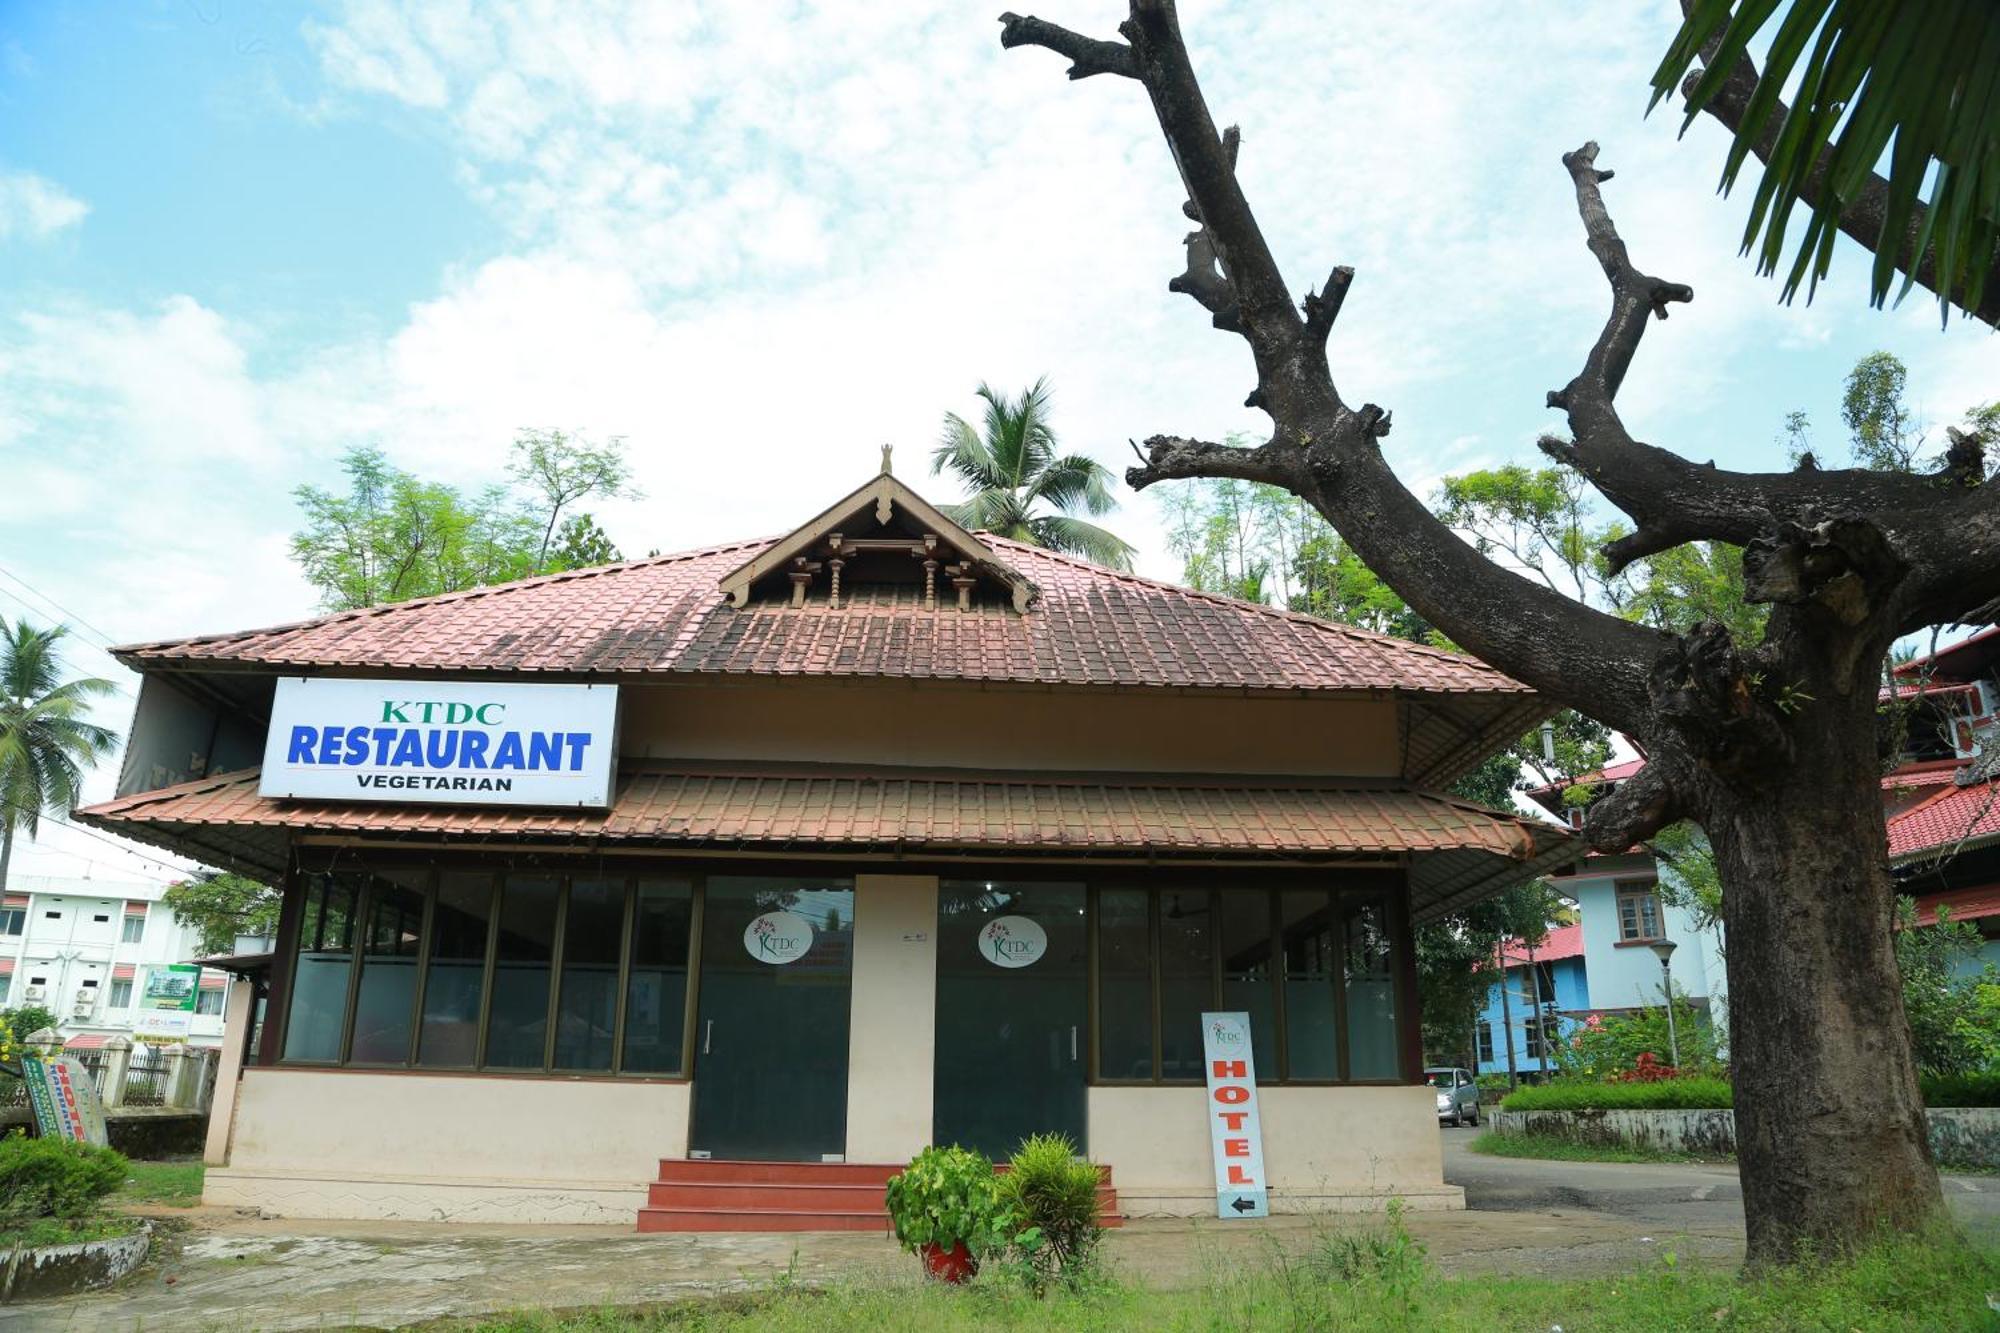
column 441, row 742
column 1234, row 1134
column 1013, row 941
column 778, row 938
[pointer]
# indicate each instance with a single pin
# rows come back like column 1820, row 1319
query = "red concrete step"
column 725, row 1219
column 712, row 1194
column 678, row 1170
column 787, row 1197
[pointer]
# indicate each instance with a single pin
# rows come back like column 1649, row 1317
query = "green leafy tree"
column 1875, row 81
column 561, row 469
column 1950, row 998
column 46, row 740
column 221, row 906
column 1020, row 487
column 27, row 1020
column 392, row 536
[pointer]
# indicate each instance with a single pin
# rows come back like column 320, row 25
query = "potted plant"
column 948, row 1210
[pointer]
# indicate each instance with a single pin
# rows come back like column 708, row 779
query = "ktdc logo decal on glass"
column 778, row 937
column 1013, row 941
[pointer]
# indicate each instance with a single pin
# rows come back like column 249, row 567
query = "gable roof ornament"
column 830, row 538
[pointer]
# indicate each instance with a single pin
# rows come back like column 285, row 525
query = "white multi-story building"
column 81, row 948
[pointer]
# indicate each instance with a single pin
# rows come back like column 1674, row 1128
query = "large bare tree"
column 1771, row 746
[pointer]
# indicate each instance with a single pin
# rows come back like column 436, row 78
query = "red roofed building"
column 819, row 849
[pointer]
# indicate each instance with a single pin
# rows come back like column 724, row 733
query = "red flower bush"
column 1648, row 1069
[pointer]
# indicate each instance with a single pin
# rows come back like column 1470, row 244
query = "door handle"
column 1072, row 1043
column 707, row 1032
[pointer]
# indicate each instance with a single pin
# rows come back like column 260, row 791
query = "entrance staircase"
column 695, row 1194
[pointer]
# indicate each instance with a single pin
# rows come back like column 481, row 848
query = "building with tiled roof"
column 821, row 848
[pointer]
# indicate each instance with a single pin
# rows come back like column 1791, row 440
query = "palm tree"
column 45, row 743
column 1012, row 469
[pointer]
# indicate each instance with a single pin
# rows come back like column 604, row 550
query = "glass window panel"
column 1308, row 942
column 656, row 993
column 1124, row 986
column 324, row 965
column 1187, row 979
column 587, row 1005
column 1248, row 977
column 457, row 976
column 386, row 1001
column 517, row 1029
column 1369, row 973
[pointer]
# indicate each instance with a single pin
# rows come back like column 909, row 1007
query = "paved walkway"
column 218, row 1270
column 229, row 1272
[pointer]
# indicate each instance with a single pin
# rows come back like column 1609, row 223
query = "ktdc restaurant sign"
column 437, row 742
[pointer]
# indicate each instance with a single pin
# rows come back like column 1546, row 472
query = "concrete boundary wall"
column 1965, row 1136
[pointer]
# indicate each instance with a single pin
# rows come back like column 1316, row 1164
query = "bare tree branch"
column 1087, row 55
column 1323, row 307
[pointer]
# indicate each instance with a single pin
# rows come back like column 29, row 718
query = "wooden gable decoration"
column 879, row 526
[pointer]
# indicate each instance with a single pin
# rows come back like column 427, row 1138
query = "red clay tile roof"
column 1955, row 817
column 1090, row 626
column 1963, row 904
column 1472, row 851
column 1562, row 942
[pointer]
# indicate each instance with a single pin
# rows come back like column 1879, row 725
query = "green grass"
column 1674, row 1094
column 1547, row 1147
column 175, row 1184
column 1940, row 1284
column 54, row 1231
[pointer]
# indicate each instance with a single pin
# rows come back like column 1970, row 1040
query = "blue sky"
column 759, row 239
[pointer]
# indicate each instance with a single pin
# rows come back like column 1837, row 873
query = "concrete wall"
column 894, row 1024
column 448, row 1148
column 228, row 1076
column 1325, row 1149
column 1960, row 1136
column 934, row 724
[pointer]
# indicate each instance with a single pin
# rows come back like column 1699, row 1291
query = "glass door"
column 770, row 1056
column 1012, row 1014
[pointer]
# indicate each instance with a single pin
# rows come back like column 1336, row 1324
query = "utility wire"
column 108, row 641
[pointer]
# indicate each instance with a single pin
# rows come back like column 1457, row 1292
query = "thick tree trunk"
column 1829, row 1123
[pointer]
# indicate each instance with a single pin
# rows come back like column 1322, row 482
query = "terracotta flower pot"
column 954, row 1265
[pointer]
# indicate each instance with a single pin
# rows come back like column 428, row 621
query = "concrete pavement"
column 224, row 1271
column 1696, row 1198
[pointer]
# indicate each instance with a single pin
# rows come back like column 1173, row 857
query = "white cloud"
column 32, row 207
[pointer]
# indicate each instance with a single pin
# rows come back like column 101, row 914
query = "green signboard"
column 64, row 1100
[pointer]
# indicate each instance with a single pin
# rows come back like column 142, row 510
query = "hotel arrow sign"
column 1235, row 1135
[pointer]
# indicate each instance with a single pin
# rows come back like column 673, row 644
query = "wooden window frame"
column 292, row 929
column 1641, row 891
column 1338, row 898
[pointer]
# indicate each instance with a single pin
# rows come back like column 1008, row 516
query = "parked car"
column 1457, row 1095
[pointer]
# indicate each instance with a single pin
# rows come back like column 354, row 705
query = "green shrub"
column 1614, row 1044
column 1053, row 1198
column 947, row 1197
column 1678, row 1094
column 54, row 1178
column 1961, row 1089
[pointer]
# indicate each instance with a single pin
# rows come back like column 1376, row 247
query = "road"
column 1705, row 1199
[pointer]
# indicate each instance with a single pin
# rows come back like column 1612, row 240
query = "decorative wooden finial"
column 887, row 449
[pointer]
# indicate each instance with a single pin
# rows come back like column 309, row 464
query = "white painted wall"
column 1325, row 1149
column 892, row 1031
column 447, row 1148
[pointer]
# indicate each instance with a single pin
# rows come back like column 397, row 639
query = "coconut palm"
column 1016, row 477
column 45, row 743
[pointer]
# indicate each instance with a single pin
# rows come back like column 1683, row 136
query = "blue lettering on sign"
column 437, row 747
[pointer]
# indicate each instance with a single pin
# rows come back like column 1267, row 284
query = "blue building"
column 1542, row 998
